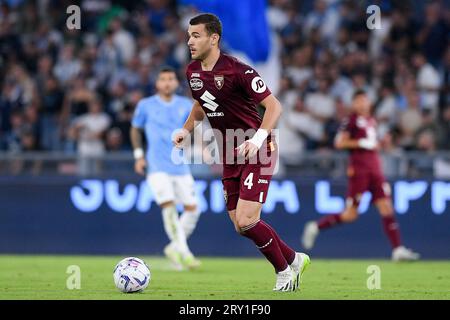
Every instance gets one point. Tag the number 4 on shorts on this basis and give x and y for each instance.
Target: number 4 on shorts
(248, 182)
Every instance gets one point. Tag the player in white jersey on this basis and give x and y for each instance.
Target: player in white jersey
(169, 178)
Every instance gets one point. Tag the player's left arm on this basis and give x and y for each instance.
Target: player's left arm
(255, 87)
(273, 111)
(272, 114)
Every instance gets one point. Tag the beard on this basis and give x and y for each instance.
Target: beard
(203, 55)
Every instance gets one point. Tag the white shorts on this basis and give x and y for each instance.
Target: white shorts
(177, 188)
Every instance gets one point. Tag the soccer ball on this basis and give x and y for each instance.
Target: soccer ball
(131, 275)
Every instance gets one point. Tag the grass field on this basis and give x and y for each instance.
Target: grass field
(44, 277)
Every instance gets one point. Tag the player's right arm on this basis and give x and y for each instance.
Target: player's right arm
(195, 116)
(138, 150)
(136, 137)
(344, 140)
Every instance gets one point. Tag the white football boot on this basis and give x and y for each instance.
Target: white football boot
(174, 256)
(403, 254)
(310, 233)
(285, 280)
(299, 265)
(191, 262)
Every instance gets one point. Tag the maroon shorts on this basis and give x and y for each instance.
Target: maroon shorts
(360, 182)
(248, 181)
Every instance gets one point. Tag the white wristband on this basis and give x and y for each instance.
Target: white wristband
(367, 144)
(259, 137)
(138, 153)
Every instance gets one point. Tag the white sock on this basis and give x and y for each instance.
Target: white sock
(174, 230)
(189, 221)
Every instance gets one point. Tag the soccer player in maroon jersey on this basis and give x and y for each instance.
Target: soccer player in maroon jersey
(227, 92)
(358, 135)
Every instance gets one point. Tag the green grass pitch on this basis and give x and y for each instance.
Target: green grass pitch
(44, 277)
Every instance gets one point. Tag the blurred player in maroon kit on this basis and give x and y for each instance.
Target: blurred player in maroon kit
(358, 135)
(228, 91)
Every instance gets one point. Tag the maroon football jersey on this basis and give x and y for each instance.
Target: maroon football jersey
(229, 94)
(362, 127)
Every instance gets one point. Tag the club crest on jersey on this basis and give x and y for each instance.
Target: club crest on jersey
(196, 84)
(218, 81)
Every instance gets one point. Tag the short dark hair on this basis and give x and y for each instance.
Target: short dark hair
(358, 92)
(211, 21)
(167, 69)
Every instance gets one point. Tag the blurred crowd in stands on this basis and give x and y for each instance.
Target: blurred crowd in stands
(75, 90)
